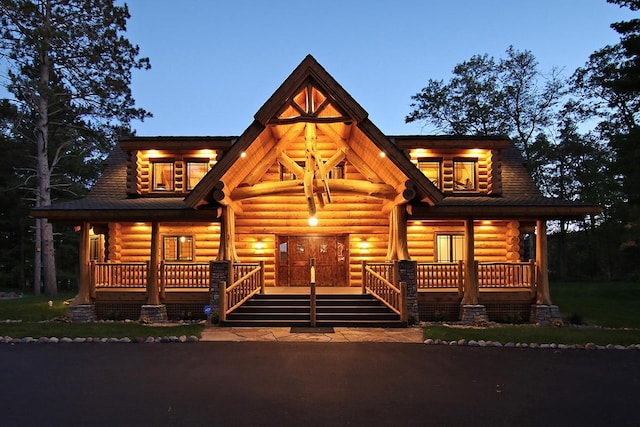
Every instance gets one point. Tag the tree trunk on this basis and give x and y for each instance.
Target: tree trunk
(42, 160)
(37, 258)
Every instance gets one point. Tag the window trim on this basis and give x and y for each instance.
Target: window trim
(473, 160)
(439, 161)
(451, 255)
(195, 160)
(153, 163)
(178, 257)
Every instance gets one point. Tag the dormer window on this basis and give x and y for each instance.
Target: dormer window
(162, 175)
(432, 169)
(464, 175)
(196, 170)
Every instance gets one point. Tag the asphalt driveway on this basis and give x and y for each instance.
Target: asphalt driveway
(314, 384)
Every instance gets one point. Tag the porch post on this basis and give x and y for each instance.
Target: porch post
(471, 311)
(470, 276)
(153, 310)
(398, 248)
(543, 311)
(82, 309)
(84, 286)
(543, 296)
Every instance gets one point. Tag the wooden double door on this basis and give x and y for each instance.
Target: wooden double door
(330, 254)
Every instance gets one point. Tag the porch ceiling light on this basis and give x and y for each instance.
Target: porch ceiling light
(313, 221)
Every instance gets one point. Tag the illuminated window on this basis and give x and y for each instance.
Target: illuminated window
(177, 248)
(196, 170)
(449, 247)
(94, 248)
(337, 172)
(287, 175)
(162, 176)
(432, 169)
(464, 175)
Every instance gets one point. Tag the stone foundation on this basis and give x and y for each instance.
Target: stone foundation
(154, 313)
(544, 314)
(82, 313)
(473, 313)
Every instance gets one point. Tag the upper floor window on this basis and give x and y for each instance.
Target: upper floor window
(162, 176)
(177, 248)
(464, 175)
(449, 247)
(337, 172)
(196, 170)
(432, 169)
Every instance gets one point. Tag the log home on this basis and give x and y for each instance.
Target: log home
(313, 199)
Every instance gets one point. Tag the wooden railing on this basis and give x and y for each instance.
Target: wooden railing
(119, 274)
(506, 274)
(440, 275)
(246, 281)
(377, 279)
(182, 275)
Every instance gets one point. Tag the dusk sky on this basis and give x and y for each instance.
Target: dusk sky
(214, 63)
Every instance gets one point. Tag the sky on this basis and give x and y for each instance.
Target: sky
(216, 62)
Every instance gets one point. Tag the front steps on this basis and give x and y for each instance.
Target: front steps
(352, 310)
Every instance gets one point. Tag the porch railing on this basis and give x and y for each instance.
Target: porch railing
(182, 275)
(377, 279)
(246, 281)
(441, 275)
(119, 274)
(506, 274)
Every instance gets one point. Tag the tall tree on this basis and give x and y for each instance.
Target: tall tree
(484, 97)
(609, 86)
(70, 74)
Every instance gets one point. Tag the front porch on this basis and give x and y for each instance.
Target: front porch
(507, 289)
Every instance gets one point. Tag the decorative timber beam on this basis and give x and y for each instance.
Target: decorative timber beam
(271, 156)
(406, 193)
(380, 191)
(220, 195)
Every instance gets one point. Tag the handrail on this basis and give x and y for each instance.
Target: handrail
(506, 274)
(243, 288)
(385, 291)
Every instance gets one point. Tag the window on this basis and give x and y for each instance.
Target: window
(449, 247)
(196, 170)
(337, 172)
(177, 248)
(162, 176)
(94, 248)
(432, 169)
(464, 175)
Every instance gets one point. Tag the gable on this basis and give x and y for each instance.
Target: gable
(309, 127)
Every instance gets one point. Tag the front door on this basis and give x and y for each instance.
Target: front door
(330, 253)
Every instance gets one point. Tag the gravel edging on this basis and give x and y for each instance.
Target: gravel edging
(483, 343)
(66, 340)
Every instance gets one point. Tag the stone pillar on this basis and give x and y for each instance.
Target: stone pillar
(407, 272)
(219, 276)
(82, 313)
(154, 313)
(544, 314)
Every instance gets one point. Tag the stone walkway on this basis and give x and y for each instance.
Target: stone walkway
(237, 334)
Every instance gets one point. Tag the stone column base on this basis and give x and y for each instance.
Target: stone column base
(544, 314)
(473, 313)
(82, 313)
(154, 313)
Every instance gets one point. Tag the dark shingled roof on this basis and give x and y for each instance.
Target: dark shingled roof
(109, 199)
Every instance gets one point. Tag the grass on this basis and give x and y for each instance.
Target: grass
(607, 313)
(36, 319)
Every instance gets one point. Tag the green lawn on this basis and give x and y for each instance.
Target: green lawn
(32, 311)
(605, 313)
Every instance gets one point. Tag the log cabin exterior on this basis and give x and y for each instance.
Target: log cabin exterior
(435, 226)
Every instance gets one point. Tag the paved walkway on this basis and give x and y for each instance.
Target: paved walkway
(236, 334)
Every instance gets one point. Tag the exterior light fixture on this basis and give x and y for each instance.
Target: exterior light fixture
(313, 221)
(383, 154)
(243, 154)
